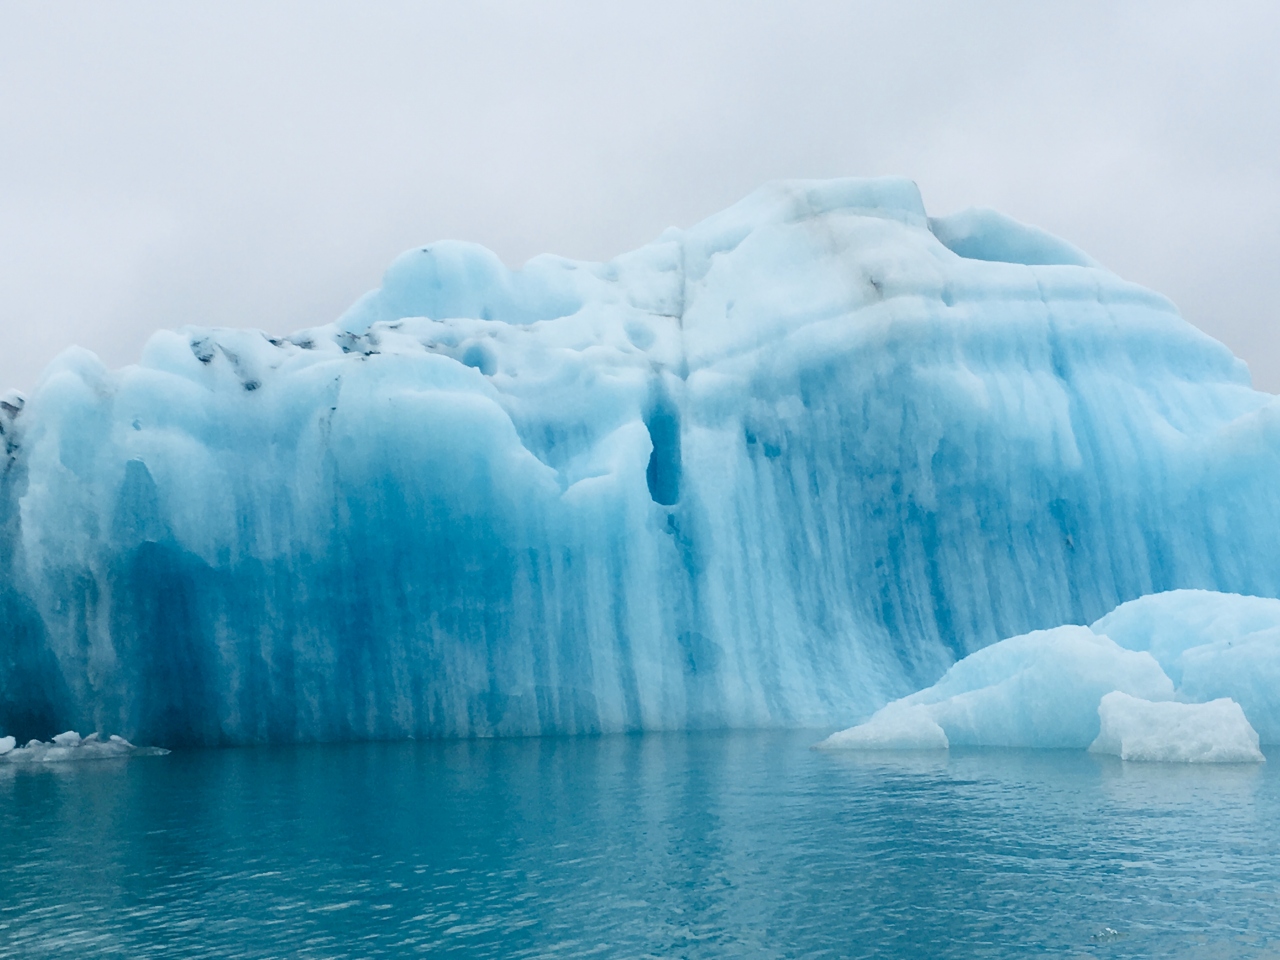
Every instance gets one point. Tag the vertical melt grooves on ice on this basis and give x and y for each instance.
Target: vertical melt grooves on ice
(775, 469)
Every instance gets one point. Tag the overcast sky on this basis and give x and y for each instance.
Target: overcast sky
(258, 164)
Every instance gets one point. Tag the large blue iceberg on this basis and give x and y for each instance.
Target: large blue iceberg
(776, 469)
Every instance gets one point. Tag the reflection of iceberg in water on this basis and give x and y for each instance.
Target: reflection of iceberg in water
(1215, 790)
(666, 845)
(776, 469)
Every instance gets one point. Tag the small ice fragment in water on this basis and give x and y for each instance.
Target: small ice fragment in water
(1171, 732)
(71, 746)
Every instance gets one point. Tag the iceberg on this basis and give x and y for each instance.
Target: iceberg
(1212, 645)
(1134, 684)
(1041, 689)
(776, 469)
(1213, 732)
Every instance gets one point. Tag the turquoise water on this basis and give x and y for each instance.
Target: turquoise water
(709, 845)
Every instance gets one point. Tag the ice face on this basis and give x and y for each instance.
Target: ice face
(775, 469)
(1213, 732)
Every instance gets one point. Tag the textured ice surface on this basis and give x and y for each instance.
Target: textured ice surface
(1213, 732)
(1053, 688)
(777, 468)
(1211, 645)
(1037, 690)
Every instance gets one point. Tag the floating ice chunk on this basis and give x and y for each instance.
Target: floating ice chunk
(1060, 688)
(71, 746)
(1211, 645)
(1213, 732)
(1040, 689)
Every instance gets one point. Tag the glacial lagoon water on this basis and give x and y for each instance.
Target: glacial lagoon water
(679, 845)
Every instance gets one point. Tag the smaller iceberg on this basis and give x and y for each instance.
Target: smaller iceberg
(1040, 689)
(72, 746)
(1213, 732)
(1212, 645)
(1188, 676)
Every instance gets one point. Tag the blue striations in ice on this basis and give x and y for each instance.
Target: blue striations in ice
(775, 469)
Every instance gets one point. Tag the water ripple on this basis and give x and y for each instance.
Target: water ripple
(713, 845)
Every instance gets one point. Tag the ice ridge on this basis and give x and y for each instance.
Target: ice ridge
(775, 469)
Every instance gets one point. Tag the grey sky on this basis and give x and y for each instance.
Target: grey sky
(258, 164)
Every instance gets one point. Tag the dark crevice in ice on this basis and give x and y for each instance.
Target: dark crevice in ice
(663, 474)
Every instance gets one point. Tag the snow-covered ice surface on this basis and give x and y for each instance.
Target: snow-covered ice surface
(775, 469)
(1213, 732)
(1133, 685)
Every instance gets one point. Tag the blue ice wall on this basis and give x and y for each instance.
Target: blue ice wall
(776, 469)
